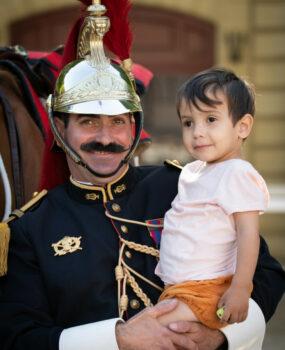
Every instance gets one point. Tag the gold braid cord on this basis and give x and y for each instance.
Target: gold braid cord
(141, 248)
(124, 275)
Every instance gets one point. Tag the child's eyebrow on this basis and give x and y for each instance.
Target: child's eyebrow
(210, 110)
(214, 110)
(201, 110)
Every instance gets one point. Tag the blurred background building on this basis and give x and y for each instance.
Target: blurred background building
(176, 39)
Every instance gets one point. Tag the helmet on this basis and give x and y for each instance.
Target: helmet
(82, 88)
(93, 85)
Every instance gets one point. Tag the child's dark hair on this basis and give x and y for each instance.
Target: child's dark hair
(240, 95)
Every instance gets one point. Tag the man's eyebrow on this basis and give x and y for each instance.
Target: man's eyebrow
(79, 116)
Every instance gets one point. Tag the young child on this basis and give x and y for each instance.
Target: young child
(210, 241)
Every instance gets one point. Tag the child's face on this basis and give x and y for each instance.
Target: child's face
(209, 133)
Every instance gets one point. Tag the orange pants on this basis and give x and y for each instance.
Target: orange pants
(202, 297)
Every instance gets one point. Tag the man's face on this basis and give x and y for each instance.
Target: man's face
(102, 141)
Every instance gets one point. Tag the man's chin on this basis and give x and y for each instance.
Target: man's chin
(106, 171)
(103, 177)
(103, 165)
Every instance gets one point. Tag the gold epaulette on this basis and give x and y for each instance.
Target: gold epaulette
(174, 163)
(5, 229)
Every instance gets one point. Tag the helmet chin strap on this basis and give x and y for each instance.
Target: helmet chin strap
(103, 175)
(138, 116)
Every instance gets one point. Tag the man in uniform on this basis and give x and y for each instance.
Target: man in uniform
(82, 258)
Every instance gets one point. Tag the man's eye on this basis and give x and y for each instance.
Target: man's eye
(119, 121)
(211, 119)
(86, 121)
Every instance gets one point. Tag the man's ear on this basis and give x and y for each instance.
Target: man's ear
(244, 126)
(59, 123)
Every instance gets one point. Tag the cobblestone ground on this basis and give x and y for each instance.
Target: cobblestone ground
(275, 330)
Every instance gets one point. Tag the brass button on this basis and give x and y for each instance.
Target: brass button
(135, 304)
(35, 194)
(128, 254)
(124, 229)
(116, 207)
(176, 162)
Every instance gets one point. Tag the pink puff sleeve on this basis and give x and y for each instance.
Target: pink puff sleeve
(242, 189)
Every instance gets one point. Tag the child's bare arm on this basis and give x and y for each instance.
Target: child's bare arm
(236, 297)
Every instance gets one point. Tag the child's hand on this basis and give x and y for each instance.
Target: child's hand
(235, 300)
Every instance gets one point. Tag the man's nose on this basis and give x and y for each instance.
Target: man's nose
(103, 134)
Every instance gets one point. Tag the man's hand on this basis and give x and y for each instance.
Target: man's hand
(204, 337)
(144, 332)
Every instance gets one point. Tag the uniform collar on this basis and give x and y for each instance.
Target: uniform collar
(100, 194)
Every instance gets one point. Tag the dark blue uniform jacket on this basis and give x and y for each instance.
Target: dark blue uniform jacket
(44, 293)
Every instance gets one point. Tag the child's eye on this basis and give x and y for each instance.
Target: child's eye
(188, 123)
(211, 119)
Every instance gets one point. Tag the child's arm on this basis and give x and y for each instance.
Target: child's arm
(236, 297)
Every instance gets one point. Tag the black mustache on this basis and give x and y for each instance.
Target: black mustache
(98, 146)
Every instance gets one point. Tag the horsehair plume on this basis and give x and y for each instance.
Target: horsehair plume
(119, 38)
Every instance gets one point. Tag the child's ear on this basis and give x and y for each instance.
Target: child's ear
(244, 126)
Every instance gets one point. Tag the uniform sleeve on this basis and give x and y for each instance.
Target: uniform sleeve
(268, 282)
(248, 334)
(242, 189)
(97, 335)
(25, 314)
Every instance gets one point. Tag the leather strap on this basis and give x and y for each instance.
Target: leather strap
(15, 147)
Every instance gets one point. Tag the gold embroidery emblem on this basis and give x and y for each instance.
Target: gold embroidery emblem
(67, 245)
(92, 196)
(120, 188)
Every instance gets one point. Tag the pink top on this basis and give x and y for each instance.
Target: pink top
(198, 241)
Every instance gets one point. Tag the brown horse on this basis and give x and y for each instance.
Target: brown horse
(30, 146)
(21, 126)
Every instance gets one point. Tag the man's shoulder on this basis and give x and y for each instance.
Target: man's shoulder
(17, 219)
(30, 206)
(169, 168)
(38, 205)
(158, 178)
(173, 164)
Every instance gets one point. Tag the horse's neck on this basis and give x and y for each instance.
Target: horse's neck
(21, 144)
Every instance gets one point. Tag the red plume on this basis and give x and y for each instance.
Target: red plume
(69, 53)
(119, 38)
